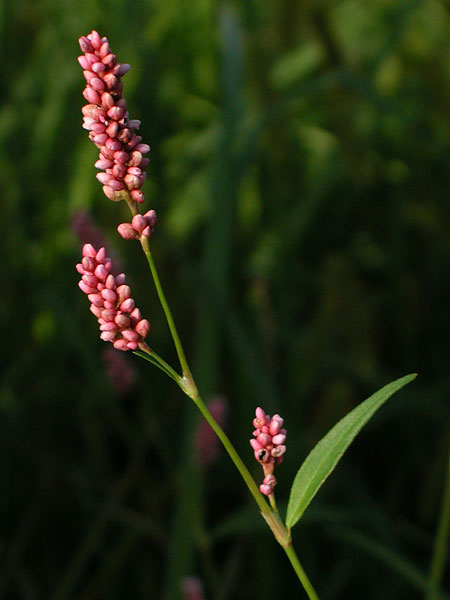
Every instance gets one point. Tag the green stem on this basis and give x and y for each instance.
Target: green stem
(441, 542)
(245, 473)
(271, 516)
(303, 577)
(162, 298)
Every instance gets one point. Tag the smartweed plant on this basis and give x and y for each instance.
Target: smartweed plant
(122, 165)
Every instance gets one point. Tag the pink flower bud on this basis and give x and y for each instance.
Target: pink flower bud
(97, 84)
(100, 256)
(121, 157)
(91, 95)
(256, 445)
(103, 164)
(135, 315)
(270, 480)
(143, 328)
(127, 305)
(139, 222)
(99, 139)
(264, 439)
(135, 158)
(85, 44)
(109, 314)
(98, 67)
(121, 70)
(274, 427)
(143, 148)
(122, 320)
(107, 100)
(127, 231)
(84, 63)
(95, 310)
(101, 272)
(107, 336)
(279, 439)
(130, 335)
(137, 196)
(121, 345)
(96, 299)
(104, 178)
(265, 489)
(109, 60)
(132, 182)
(89, 251)
(109, 295)
(109, 326)
(104, 49)
(111, 81)
(113, 144)
(86, 288)
(95, 40)
(116, 185)
(278, 451)
(123, 291)
(88, 263)
(112, 129)
(119, 170)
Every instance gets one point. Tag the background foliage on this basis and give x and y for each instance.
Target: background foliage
(299, 168)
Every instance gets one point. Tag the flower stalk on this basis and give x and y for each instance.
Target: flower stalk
(122, 165)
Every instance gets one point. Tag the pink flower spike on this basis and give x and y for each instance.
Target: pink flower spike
(268, 445)
(110, 301)
(107, 120)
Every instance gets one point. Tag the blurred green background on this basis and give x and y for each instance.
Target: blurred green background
(300, 172)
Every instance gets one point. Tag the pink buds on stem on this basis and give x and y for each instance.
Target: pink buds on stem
(106, 118)
(141, 225)
(268, 445)
(120, 321)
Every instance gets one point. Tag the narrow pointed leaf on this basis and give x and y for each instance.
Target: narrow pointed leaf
(158, 364)
(325, 455)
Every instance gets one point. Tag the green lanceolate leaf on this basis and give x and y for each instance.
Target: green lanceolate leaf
(325, 455)
(161, 364)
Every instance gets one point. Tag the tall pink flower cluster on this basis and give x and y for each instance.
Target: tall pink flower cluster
(268, 444)
(120, 321)
(121, 157)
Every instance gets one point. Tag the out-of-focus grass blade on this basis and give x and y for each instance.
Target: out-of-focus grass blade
(394, 561)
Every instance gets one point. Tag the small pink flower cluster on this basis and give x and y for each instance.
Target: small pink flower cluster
(120, 321)
(119, 371)
(268, 445)
(192, 588)
(206, 443)
(140, 225)
(106, 119)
